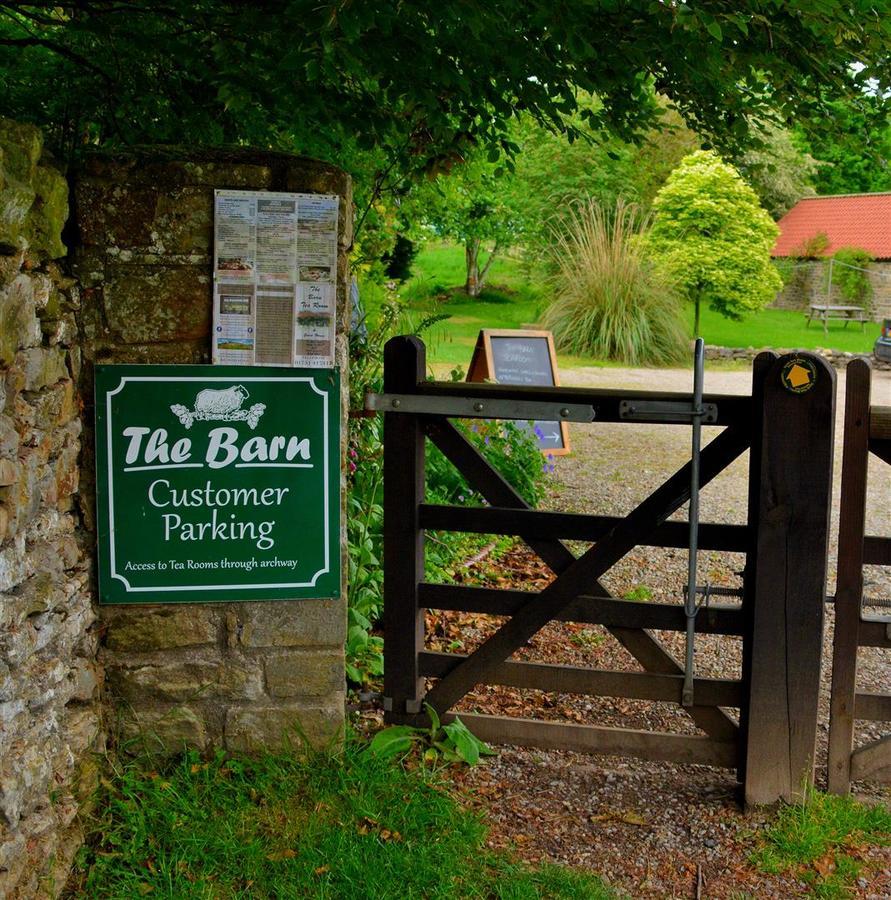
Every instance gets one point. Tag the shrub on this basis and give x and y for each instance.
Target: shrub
(398, 261)
(612, 302)
(850, 276)
(509, 448)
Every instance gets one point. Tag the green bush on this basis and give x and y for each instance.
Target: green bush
(849, 275)
(510, 449)
(612, 301)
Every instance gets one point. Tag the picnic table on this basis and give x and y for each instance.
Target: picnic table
(825, 311)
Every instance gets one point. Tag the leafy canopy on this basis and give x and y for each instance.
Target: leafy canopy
(714, 237)
(423, 81)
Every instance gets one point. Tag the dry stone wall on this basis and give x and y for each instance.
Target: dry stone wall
(49, 680)
(238, 675)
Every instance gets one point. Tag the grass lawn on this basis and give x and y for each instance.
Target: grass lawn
(516, 296)
(823, 841)
(291, 825)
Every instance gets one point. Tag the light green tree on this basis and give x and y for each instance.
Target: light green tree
(715, 238)
(476, 205)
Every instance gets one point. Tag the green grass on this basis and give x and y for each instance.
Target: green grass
(516, 296)
(819, 841)
(291, 825)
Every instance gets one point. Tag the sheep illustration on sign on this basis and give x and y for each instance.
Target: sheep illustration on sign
(220, 406)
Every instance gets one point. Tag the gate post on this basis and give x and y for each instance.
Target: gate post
(404, 367)
(794, 494)
(849, 582)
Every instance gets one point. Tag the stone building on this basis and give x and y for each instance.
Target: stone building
(817, 227)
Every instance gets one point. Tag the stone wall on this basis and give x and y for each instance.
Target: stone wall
(237, 675)
(807, 285)
(837, 358)
(49, 717)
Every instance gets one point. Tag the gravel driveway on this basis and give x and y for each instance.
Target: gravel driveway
(656, 829)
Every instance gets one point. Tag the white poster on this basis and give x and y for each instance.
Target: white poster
(275, 268)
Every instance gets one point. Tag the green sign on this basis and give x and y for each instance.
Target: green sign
(217, 483)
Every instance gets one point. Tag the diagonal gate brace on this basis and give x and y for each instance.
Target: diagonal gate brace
(578, 576)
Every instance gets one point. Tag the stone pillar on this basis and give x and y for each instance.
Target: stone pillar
(49, 680)
(237, 675)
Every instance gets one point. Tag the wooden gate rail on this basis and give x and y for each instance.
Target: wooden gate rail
(577, 594)
(867, 430)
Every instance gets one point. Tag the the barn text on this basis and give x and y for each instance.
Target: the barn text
(148, 447)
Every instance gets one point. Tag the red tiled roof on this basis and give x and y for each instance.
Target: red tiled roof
(848, 220)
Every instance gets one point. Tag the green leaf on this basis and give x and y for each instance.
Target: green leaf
(466, 744)
(393, 741)
(434, 720)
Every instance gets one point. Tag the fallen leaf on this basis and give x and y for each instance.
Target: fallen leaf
(633, 818)
(279, 855)
(322, 870)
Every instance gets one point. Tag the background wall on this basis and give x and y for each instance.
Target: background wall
(237, 675)
(49, 713)
(808, 285)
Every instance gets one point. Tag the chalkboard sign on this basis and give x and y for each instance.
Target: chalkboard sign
(527, 358)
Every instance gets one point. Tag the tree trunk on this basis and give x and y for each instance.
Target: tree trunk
(472, 257)
(696, 318)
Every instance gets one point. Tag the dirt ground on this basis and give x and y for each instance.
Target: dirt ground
(652, 829)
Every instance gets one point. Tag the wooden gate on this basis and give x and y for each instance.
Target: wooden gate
(867, 431)
(787, 423)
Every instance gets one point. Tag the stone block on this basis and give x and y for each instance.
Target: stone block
(305, 673)
(151, 304)
(19, 326)
(21, 146)
(10, 472)
(170, 730)
(41, 366)
(305, 623)
(225, 679)
(183, 222)
(49, 213)
(254, 729)
(145, 630)
(10, 265)
(112, 214)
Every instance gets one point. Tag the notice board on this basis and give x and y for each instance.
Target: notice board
(217, 483)
(275, 271)
(527, 358)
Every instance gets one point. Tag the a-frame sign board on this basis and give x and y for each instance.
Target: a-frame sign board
(521, 357)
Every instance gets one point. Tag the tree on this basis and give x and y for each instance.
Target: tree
(715, 238)
(553, 175)
(779, 171)
(853, 144)
(424, 82)
(476, 206)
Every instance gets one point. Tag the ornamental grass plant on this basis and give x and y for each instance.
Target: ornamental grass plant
(611, 300)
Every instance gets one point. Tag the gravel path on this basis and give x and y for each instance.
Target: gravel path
(654, 829)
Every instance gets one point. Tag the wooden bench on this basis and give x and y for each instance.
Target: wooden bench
(824, 312)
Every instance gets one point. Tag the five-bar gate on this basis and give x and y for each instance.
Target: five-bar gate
(786, 424)
(867, 431)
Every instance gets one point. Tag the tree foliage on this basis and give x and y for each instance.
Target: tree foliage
(715, 238)
(424, 81)
(853, 144)
(477, 205)
(779, 171)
